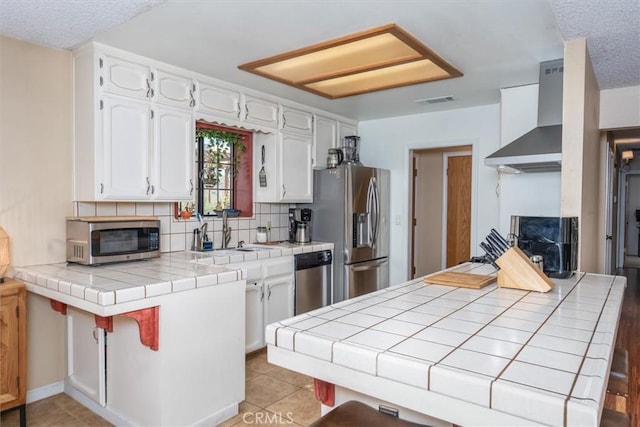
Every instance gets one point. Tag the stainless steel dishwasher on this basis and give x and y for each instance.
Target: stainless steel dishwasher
(313, 281)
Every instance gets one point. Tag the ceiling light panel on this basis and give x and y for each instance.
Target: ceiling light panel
(372, 60)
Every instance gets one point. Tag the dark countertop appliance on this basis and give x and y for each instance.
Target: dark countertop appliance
(299, 225)
(555, 238)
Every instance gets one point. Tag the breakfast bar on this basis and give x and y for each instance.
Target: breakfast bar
(445, 355)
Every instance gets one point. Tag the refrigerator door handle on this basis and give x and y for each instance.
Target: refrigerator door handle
(372, 265)
(376, 209)
(370, 209)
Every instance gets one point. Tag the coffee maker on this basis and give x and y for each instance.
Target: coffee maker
(299, 225)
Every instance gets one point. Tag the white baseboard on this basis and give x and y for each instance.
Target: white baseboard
(45, 391)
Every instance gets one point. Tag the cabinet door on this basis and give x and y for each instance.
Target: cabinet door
(296, 121)
(261, 112)
(296, 173)
(125, 156)
(279, 299)
(254, 326)
(12, 345)
(218, 101)
(175, 90)
(122, 77)
(345, 129)
(173, 153)
(86, 355)
(324, 137)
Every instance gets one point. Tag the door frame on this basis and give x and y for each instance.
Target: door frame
(445, 199)
(609, 155)
(442, 145)
(622, 215)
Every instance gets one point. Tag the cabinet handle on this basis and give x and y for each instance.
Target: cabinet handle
(148, 186)
(153, 189)
(284, 121)
(101, 81)
(148, 88)
(246, 112)
(152, 76)
(101, 188)
(191, 191)
(100, 63)
(284, 191)
(192, 103)
(269, 296)
(95, 337)
(261, 295)
(238, 109)
(152, 93)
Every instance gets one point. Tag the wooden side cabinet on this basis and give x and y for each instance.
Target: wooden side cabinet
(13, 347)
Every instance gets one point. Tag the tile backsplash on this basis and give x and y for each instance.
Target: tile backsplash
(176, 234)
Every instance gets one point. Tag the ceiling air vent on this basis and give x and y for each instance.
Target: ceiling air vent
(438, 100)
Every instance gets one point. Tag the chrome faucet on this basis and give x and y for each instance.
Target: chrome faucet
(226, 231)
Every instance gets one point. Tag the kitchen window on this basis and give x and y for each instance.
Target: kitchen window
(223, 167)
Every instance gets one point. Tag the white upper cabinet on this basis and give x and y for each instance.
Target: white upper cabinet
(121, 77)
(123, 154)
(325, 136)
(134, 125)
(260, 111)
(218, 101)
(173, 89)
(128, 144)
(295, 171)
(298, 121)
(345, 129)
(173, 154)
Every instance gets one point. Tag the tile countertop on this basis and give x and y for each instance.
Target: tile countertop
(490, 356)
(118, 288)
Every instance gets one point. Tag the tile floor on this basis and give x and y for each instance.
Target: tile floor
(274, 396)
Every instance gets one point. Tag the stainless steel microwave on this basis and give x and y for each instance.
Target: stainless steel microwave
(100, 239)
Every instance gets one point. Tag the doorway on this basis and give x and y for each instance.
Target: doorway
(441, 208)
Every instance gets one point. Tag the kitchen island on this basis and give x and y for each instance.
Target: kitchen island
(445, 355)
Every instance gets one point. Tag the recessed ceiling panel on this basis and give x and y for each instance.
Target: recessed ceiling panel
(371, 60)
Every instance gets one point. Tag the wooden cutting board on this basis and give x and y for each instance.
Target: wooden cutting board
(462, 280)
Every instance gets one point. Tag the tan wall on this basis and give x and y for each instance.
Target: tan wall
(36, 182)
(581, 151)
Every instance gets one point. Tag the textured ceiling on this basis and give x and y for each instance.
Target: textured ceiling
(612, 30)
(66, 23)
(495, 43)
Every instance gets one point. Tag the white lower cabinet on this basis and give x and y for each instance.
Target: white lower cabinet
(254, 335)
(269, 296)
(278, 299)
(86, 355)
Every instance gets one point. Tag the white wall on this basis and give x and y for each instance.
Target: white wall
(620, 107)
(386, 144)
(529, 194)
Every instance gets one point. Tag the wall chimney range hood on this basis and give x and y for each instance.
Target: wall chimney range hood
(539, 150)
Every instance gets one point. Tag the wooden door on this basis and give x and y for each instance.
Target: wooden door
(458, 209)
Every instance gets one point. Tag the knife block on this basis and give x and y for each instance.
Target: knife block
(518, 272)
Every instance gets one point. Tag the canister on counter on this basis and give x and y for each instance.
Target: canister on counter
(261, 235)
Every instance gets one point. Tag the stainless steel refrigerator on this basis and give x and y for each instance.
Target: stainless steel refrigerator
(351, 209)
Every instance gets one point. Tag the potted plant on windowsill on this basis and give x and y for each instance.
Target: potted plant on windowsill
(218, 154)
